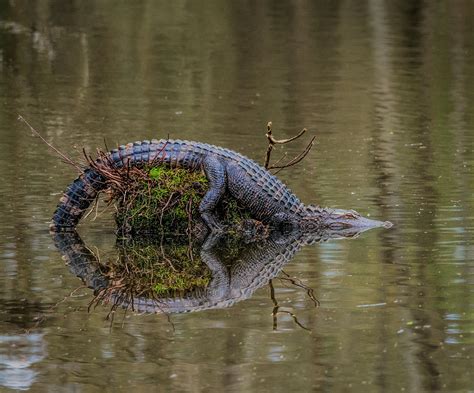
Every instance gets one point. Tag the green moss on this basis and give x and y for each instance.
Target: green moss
(161, 199)
(154, 270)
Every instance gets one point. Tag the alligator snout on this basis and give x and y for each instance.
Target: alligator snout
(341, 219)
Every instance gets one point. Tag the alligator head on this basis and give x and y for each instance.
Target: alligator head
(345, 221)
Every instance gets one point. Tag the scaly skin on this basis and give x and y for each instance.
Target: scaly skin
(264, 195)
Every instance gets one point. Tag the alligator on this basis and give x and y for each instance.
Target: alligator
(255, 188)
(251, 269)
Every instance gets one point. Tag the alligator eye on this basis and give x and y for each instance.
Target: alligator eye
(350, 216)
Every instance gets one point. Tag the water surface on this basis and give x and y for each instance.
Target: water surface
(387, 88)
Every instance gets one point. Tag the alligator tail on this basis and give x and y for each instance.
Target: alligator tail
(76, 199)
(80, 260)
(82, 192)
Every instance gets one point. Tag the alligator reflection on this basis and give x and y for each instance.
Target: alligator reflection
(228, 270)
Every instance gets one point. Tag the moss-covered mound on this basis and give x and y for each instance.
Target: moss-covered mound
(157, 199)
(160, 199)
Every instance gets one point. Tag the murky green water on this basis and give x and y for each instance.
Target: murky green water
(387, 88)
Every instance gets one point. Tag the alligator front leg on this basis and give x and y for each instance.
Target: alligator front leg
(216, 174)
(220, 281)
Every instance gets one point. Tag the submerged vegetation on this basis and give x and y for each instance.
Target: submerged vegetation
(152, 270)
(156, 268)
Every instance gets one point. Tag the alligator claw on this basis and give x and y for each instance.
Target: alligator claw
(211, 240)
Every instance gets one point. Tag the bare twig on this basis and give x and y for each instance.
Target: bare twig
(272, 142)
(296, 159)
(57, 151)
(295, 319)
(298, 283)
(42, 316)
(275, 305)
(276, 310)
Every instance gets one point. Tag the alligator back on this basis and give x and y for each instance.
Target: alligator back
(262, 193)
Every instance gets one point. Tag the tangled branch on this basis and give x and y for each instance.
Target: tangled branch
(272, 142)
(65, 158)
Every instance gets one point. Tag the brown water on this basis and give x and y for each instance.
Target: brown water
(387, 88)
